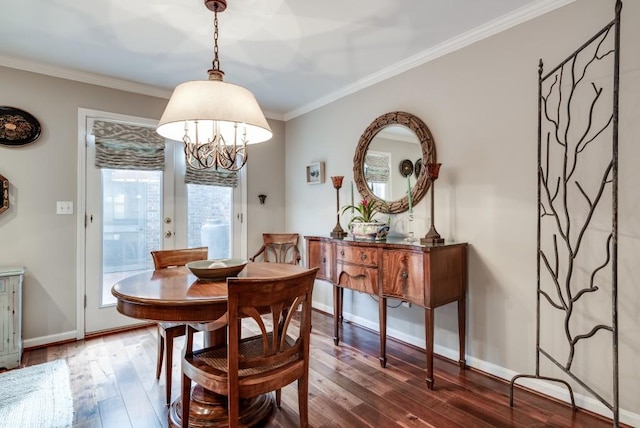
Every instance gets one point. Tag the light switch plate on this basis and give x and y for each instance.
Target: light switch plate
(64, 207)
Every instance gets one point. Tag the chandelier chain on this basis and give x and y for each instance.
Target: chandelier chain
(216, 60)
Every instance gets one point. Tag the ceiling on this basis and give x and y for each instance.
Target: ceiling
(294, 55)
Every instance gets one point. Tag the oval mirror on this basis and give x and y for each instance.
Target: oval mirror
(386, 157)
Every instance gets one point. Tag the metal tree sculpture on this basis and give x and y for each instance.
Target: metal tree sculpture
(577, 205)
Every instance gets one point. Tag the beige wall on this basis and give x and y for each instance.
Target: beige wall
(480, 104)
(265, 175)
(41, 173)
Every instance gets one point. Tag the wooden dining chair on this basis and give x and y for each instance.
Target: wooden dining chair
(250, 366)
(278, 248)
(167, 331)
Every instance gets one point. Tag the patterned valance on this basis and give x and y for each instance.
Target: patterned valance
(120, 146)
(376, 168)
(211, 177)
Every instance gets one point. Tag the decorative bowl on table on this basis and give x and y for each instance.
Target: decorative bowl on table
(217, 268)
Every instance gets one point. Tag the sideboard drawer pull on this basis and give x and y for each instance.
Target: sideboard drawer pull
(363, 257)
(324, 260)
(342, 252)
(404, 274)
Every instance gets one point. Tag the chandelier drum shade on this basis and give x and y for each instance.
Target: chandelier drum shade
(214, 119)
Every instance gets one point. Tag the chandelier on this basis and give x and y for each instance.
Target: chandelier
(215, 120)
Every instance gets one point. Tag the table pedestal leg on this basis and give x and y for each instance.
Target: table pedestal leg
(210, 410)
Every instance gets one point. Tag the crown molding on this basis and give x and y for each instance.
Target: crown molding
(96, 79)
(272, 115)
(84, 77)
(484, 31)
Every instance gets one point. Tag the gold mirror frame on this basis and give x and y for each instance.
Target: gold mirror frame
(427, 144)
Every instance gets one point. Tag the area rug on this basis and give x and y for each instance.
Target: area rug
(36, 396)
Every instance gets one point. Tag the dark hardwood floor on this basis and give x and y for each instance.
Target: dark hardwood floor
(113, 383)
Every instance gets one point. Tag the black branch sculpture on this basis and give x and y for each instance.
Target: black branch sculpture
(577, 189)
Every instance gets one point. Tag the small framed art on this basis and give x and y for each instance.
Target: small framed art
(4, 194)
(315, 173)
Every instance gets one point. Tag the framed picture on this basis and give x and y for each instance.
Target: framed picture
(4, 194)
(315, 173)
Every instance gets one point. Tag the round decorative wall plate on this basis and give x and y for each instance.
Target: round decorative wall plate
(17, 127)
(406, 168)
(418, 167)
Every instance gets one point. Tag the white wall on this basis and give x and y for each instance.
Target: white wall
(480, 104)
(43, 172)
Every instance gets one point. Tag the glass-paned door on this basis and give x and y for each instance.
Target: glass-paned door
(132, 224)
(133, 212)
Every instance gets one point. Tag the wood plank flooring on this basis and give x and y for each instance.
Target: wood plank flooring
(113, 383)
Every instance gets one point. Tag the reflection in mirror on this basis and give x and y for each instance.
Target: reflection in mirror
(390, 139)
(377, 168)
(382, 162)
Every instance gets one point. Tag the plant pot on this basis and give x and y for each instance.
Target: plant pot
(373, 231)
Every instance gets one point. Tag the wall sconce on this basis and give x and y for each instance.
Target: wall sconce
(262, 199)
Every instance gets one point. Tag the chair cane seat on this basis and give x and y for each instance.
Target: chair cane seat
(214, 359)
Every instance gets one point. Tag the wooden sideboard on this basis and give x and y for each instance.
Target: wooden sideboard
(425, 275)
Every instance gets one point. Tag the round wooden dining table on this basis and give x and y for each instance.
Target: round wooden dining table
(175, 294)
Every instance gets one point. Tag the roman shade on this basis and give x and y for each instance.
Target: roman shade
(376, 168)
(120, 146)
(211, 177)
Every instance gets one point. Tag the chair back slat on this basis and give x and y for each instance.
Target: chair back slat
(278, 301)
(279, 248)
(180, 257)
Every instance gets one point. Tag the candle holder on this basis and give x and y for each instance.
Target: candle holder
(432, 236)
(410, 234)
(338, 232)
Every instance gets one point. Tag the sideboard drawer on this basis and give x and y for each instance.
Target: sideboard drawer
(320, 256)
(363, 256)
(357, 278)
(403, 276)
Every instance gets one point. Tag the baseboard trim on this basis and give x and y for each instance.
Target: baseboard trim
(70, 336)
(536, 385)
(53, 339)
(119, 330)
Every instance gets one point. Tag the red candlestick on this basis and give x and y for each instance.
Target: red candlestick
(338, 232)
(432, 236)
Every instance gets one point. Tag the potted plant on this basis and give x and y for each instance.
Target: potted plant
(363, 225)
